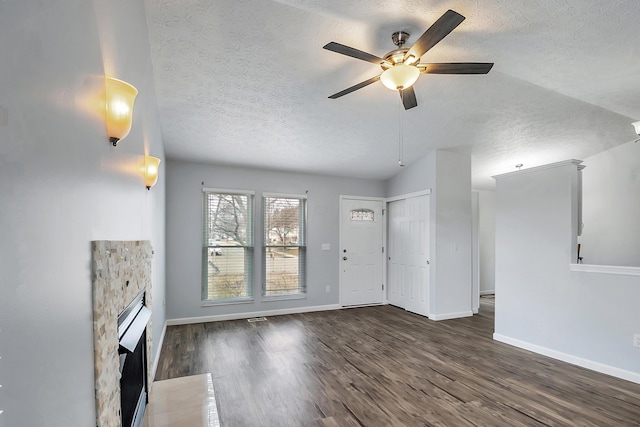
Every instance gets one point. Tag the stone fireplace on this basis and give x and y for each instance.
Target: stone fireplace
(121, 280)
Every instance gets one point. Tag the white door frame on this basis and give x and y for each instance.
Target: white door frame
(384, 243)
(475, 252)
(426, 192)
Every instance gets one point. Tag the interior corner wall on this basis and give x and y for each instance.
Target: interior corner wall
(184, 234)
(62, 185)
(448, 175)
(453, 236)
(611, 207)
(418, 176)
(583, 318)
(533, 237)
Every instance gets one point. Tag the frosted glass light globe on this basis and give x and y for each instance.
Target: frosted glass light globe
(400, 76)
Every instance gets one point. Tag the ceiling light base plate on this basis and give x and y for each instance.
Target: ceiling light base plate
(399, 38)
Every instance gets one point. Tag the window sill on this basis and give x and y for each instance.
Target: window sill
(283, 297)
(210, 303)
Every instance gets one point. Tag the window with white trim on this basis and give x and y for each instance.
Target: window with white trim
(284, 252)
(227, 252)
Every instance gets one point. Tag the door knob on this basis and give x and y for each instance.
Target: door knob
(344, 258)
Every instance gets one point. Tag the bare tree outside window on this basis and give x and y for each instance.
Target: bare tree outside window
(283, 218)
(228, 246)
(284, 251)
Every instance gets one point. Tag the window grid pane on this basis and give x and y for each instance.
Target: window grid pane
(284, 252)
(362, 215)
(227, 247)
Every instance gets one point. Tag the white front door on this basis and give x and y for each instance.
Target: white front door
(408, 260)
(361, 257)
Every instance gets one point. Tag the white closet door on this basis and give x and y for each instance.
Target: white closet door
(408, 259)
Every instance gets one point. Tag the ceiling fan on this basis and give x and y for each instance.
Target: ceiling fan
(401, 67)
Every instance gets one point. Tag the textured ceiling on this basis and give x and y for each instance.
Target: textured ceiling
(245, 82)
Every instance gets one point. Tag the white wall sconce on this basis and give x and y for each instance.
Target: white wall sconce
(636, 126)
(150, 170)
(119, 108)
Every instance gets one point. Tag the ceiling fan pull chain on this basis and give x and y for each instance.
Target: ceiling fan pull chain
(400, 130)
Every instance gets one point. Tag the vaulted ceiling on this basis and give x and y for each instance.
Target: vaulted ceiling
(245, 82)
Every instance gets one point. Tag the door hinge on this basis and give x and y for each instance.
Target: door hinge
(383, 249)
(383, 286)
(383, 211)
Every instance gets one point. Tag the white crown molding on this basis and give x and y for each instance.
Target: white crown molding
(539, 168)
(605, 269)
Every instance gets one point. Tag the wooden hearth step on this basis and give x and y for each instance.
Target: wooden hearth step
(184, 402)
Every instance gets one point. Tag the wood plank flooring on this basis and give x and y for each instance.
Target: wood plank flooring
(383, 366)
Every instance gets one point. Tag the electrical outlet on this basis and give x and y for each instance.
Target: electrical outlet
(636, 340)
(327, 288)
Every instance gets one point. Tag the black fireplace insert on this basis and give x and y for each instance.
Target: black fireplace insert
(132, 336)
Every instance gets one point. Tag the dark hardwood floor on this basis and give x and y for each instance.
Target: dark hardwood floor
(383, 366)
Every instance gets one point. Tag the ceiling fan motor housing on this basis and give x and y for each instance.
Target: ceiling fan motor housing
(394, 57)
(398, 56)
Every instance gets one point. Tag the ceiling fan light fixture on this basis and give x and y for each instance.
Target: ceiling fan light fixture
(636, 126)
(411, 60)
(400, 76)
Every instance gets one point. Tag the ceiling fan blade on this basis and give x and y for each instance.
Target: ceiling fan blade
(355, 87)
(352, 52)
(408, 97)
(439, 30)
(456, 68)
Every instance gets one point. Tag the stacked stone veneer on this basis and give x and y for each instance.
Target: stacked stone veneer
(121, 270)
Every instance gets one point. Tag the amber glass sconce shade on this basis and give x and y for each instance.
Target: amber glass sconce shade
(119, 108)
(151, 167)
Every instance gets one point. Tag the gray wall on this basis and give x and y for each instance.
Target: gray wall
(418, 176)
(184, 232)
(63, 185)
(611, 207)
(453, 234)
(584, 318)
(449, 176)
(487, 240)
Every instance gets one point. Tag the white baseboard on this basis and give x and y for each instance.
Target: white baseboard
(156, 358)
(489, 292)
(448, 316)
(265, 313)
(569, 358)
